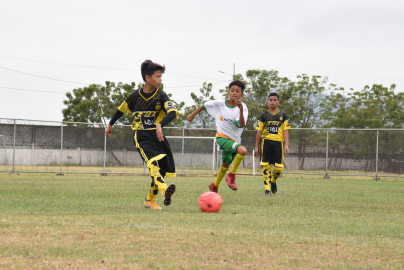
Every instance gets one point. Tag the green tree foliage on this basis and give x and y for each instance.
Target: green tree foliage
(96, 103)
(203, 119)
(375, 107)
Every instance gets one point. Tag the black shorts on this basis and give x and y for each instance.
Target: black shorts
(271, 153)
(151, 149)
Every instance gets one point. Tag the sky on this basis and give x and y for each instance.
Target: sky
(354, 43)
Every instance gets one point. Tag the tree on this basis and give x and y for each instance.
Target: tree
(203, 119)
(375, 107)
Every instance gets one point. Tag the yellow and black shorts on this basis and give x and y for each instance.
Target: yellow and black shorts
(152, 150)
(271, 153)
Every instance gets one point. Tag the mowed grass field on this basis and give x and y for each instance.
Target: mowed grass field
(99, 222)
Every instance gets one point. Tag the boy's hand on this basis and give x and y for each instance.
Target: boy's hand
(190, 118)
(256, 152)
(159, 132)
(108, 130)
(286, 150)
(239, 104)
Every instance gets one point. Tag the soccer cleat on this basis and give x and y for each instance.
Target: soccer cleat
(151, 204)
(267, 192)
(213, 188)
(231, 181)
(274, 188)
(167, 194)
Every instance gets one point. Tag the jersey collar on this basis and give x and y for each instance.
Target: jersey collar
(274, 113)
(225, 102)
(140, 93)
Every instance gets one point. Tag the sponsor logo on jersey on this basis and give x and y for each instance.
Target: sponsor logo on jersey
(221, 118)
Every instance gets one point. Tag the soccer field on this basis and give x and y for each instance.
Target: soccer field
(99, 222)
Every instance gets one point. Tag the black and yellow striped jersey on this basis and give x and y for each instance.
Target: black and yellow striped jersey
(148, 109)
(272, 125)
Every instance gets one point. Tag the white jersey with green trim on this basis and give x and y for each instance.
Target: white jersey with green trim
(226, 118)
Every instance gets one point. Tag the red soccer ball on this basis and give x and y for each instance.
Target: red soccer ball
(210, 202)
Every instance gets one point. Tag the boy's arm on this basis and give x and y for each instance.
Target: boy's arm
(191, 116)
(115, 118)
(257, 142)
(165, 121)
(241, 118)
(286, 136)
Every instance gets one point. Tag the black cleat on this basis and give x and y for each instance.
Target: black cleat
(167, 194)
(267, 192)
(274, 188)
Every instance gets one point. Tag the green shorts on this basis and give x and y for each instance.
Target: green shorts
(229, 149)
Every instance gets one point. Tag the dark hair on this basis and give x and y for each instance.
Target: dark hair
(148, 68)
(239, 84)
(273, 95)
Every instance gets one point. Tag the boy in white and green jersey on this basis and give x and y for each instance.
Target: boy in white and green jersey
(230, 117)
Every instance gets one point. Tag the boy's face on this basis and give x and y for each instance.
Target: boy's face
(273, 102)
(235, 93)
(155, 79)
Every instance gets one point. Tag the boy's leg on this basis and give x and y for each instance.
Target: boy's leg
(157, 178)
(278, 166)
(241, 153)
(267, 177)
(220, 174)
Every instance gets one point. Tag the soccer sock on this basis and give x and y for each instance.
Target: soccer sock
(220, 174)
(267, 175)
(236, 162)
(276, 174)
(158, 183)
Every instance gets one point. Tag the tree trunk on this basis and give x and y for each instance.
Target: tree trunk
(109, 150)
(367, 162)
(303, 156)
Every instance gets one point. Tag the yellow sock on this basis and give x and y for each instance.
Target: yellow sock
(276, 174)
(220, 174)
(236, 162)
(158, 183)
(267, 176)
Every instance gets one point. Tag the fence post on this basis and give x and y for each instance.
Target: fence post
(377, 154)
(213, 164)
(182, 152)
(326, 160)
(105, 151)
(14, 150)
(61, 149)
(253, 163)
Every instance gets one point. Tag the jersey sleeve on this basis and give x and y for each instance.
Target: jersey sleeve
(285, 124)
(261, 122)
(168, 104)
(211, 107)
(245, 115)
(128, 105)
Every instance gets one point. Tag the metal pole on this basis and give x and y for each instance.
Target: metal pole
(14, 150)
(234, 70)
(326, 160)
(213, 164)
(105, 151)
(253, 163)
(377, 153)
(182, 152)
(61, 150)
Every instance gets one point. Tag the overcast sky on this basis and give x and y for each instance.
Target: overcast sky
(354, 43)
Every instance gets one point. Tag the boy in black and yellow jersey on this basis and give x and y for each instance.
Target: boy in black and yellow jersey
(272, 132)
(152, 110)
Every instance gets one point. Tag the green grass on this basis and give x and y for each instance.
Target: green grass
(99, 222)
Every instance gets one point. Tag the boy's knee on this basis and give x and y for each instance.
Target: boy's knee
(241, 150)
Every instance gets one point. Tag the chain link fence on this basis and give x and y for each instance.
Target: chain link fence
(65, 147)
